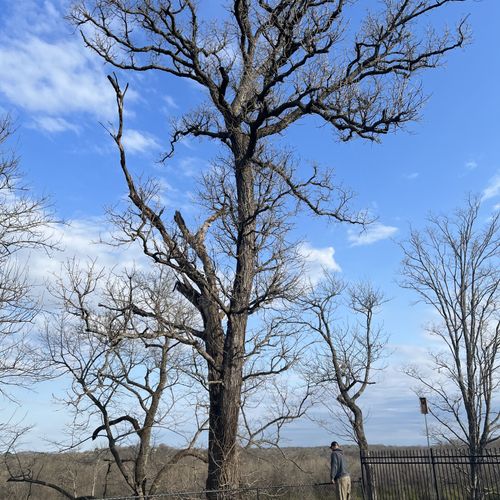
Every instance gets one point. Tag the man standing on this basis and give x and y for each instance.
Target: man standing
(339, 475)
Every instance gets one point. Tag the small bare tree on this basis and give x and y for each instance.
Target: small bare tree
(348, 354)
(454, 266)
(126, 371)
(23, 225)
(267, 66)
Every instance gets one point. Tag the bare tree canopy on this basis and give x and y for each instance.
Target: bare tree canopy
(23, 225)
(265, 67)
(127, 375)
(349, 349)
(272, 62)
(454, 266)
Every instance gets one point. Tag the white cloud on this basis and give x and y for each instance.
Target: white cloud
(139, 142)
(46, 69)
(373, 233)
(53, 124)
(317, 261)
(471, 165)
(55, 78)
(493, 188)
(80, 239)
(42, 17)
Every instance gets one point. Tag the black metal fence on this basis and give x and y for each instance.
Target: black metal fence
(418, 474)
(435, 474)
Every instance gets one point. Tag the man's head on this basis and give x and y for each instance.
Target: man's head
(334, 445)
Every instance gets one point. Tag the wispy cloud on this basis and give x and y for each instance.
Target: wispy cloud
(191, 166)
(373, 233)
(53, 124)
(471, 165)
(493, 188)
(139, 142)
(80, 239)
(41, 17)
(412, 176)
(170, 102)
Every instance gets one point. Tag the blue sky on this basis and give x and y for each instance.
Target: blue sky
(58, 94)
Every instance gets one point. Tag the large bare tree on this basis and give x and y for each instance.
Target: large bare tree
(265, 67)
(454, 266)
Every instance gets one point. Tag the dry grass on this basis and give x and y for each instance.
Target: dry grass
(89, 473)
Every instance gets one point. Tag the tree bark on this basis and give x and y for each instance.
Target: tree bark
(223, 467)
(359, 432)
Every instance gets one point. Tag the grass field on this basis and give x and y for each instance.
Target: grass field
(92, 473)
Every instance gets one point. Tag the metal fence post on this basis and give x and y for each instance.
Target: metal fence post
(434, 475)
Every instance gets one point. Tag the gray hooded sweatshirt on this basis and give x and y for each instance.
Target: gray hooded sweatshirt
(338, 464)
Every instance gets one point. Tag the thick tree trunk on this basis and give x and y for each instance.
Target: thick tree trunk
(225, 396)
(225, 382)
(215, 348)
(223, 467)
